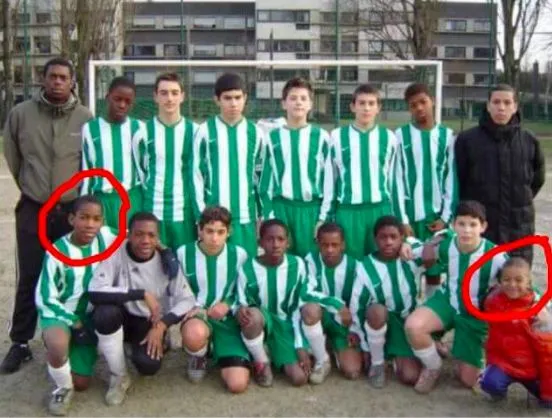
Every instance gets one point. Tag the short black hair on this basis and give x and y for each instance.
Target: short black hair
(471, 208)
(388, 220)
(213, 214)
(121, 81)
(365, 89)
(297, 83)
(516, 262)
(503, 87)
(415, 89)
(227, 82)
(85, 200)
(170, 76)
(266, 225)
(330, 228)
(141, 217)
(64, 62)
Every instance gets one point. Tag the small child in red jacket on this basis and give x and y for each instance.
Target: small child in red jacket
(517, 351)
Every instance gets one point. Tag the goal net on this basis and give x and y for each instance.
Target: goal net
(333, 81)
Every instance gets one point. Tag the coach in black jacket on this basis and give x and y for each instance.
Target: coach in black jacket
(502, 166)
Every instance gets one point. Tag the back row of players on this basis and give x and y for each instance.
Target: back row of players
(361, 189)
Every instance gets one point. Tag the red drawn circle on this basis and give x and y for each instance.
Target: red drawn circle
(54, 198)
(512, 315)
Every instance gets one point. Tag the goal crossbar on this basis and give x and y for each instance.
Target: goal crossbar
(92, 64)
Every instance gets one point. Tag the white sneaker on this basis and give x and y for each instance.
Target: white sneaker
(118, 387)
(60, 401)
(320, 372)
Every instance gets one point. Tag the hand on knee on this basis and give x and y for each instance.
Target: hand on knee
(311, 313)
(195, 335)
(376, 316)
(144, 364)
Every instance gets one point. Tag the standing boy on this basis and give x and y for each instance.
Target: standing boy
(296, 167)
(226, 151)
(108, 144)
(163, 159)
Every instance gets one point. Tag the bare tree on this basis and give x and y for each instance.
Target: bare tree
(9, 32)
(547, 87)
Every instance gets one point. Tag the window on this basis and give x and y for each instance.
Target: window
(38, 74)
(375, 47)
(328, 17)
(482, 25)
(375, 20)
(456, 78)
(349, 74)
(173, 22)
(282, 16)
(145, 77)
(250, 22)
(140, 50)
(42, 45)
(18, 74)
(19, 45)
(349, 18)
(143, 22)
(327, 44)
(234, 23)
(349, 46)
(42, 18)
(205, 50)
(129, 75)
(174, 50)
(455, 52)
(281, 45)
(481, 79)
(433, 52)
(482, 52)
(205, 22)
(282, 75)
(456, 25)
(234, 50)
(205, 77)
(263, 15)
(292, 16)
(23, 18)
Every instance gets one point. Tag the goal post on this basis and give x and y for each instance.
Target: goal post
(333, 82)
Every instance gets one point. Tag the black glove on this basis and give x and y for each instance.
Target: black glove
(170, 263)
(83, 336)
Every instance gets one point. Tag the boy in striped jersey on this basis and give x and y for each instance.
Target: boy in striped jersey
(163, 158)
(364, 156)
(333, 273)
(227, 149)
(296, 167)
(62, 303)
(426, 157)
(211, 267)
(445, 309)
(108, 144)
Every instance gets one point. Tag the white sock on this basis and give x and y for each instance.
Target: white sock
(256, 348)
(376, 341)
(111, 346)
(200, 353)
(317, 340)
(62, 375)
(429, 357)
(430, 290)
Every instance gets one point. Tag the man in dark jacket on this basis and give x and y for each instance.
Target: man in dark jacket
(42, 146)
(502, 166)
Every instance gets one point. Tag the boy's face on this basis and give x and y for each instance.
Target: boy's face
(298, 103)
(421, 107)
(169, 96)
(515, 281)
(389, 240)
(274, 242)
(119, 102)
(331, 246)
(214, 236)
(231, 103)
(469, 230)
(86, 223)
(366, 107)
(502, 106)
(143, 239)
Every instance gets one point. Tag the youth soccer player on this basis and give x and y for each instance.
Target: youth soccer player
(227, 149)
(364, 155)
(296, 167)
(445, 310)
(426, 157)
(62, 303)
(211, 268)
(164, 161)
(108, 144)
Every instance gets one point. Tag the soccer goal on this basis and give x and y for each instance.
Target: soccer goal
(333, 81)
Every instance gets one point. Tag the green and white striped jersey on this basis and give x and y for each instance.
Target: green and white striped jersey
(212, 278)
(275, 288)
(163, 160)
(429, 172)
(297, 166)
(224, 161)
(62, 290)
(366, 167)
(110, 146)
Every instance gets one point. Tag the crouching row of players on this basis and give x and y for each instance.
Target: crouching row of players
(275, 310)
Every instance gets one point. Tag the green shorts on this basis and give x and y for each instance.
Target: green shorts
(337, 334)
(358, 223)
(469, 332)
(396, 343)
(244, 235)
(111, 203)
(226, 341)
(280, 340)
(82, 357)
(301, 219)
(422, 232)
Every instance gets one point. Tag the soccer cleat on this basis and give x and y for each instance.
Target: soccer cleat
(17, 355)
(118, 387)
(263, 374)
(60, 401)
(320, 372)
(376, 375)
(197, 368)
(427, 380)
